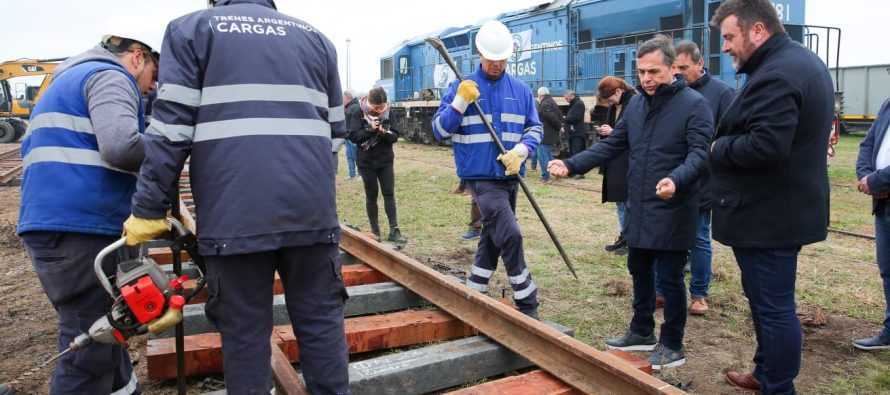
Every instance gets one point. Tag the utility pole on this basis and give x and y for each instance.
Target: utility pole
(348, 68)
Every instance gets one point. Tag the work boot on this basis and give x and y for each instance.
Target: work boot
(664, 357)
(376, 231)
(578, 177)
(396, 237)
(533, 313)
(699, 307)
(633, 342)
(618, 244)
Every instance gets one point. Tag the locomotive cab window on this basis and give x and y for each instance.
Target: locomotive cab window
(386, 68)
(403, 65)
(584, 39)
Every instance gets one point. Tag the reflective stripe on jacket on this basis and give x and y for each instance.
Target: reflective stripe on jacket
(508, 105)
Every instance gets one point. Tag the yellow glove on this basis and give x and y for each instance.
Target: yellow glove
(140, 230)
(513, 159)
(467, 92)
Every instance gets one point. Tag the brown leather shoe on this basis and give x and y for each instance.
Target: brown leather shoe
(699, 307)
(659, 301)
(745, 381)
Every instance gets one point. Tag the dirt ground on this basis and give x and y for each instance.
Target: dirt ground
(721, 340)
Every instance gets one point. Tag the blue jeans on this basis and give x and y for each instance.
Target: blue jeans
(768, 278)
(350, 157)
(543, 155)
(640, 264)
(882, 245)
(621, 210)
(700, 260)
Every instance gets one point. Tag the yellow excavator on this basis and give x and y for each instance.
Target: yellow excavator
(13, 111)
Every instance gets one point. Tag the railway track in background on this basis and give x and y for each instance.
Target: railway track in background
(10, 165)
(571, 184)
(412, 329)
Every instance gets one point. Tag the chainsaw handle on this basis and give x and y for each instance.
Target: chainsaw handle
(97, 264)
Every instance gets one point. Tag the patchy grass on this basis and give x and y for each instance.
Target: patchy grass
(837, 279)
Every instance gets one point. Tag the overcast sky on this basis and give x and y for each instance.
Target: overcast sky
(57, 28)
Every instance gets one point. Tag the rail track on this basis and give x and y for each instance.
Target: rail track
(412, 329)
(10, 165)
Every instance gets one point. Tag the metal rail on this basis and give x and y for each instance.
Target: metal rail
(851, 234)
(572, 361)
(10, 165)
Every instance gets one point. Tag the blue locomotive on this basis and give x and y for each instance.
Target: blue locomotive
(568, 44)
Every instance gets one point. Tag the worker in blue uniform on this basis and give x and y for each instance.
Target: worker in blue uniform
(254, 97)
(80, 154)
(509, 106)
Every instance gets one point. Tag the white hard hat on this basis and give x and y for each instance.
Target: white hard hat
(543, 91)
(116, 43)
(494, 41)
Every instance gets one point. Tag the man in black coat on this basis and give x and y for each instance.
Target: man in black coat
(769, 178)
(548, 113)
(691, 64)
(574, 125)
(666, 130)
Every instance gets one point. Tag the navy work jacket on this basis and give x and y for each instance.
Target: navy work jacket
(254, 97)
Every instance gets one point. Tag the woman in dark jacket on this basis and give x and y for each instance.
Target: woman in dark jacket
(618, 93)
(374, 158)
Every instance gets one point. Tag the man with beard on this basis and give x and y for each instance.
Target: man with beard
(770, 179)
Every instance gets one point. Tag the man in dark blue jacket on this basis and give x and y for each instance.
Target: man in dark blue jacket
(81, 151)
(873, 171)
(691, 64)
(254, 97)
(665, 130)
(769, 178)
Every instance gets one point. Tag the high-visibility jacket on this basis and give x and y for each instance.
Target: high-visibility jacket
(508, 105)
(66, 185)
(253, 96)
